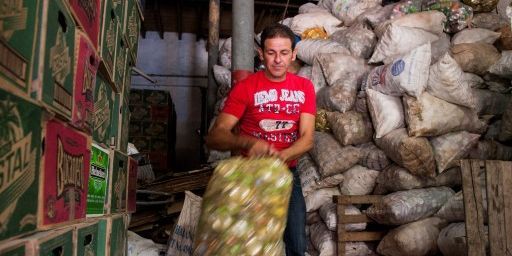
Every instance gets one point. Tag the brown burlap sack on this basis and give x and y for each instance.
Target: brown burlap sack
(431, 116)
(373, 157)
(451, 147)
(417, 238)
(331, 157)
(504, 43)
(475, 58)
(506, 124)
(413, 153)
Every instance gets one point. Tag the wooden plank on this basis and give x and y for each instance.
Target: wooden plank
(341, 230)
(495, 208)
(362, 236)
(365, 199)
(506, 174)
(350, 219)
(473, 207)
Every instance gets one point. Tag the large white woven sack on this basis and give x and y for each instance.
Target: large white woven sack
(304, 21)
(475, 35)
(348, 10)
(387, 112)
(359, 180)
(407, 74)
(431, 21)
(503, 67)
(311, 8)
(398, 41)
(320, 197)
(452, 240)
(308, 49)
(446, 81)
(451, 147)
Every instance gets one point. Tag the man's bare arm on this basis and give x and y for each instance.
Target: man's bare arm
(305, 141)
(221, 137)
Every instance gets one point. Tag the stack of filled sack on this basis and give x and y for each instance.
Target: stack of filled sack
(404, 91)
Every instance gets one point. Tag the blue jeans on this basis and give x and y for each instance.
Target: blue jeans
(295, 231)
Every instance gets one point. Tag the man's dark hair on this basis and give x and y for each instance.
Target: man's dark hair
(277, 30)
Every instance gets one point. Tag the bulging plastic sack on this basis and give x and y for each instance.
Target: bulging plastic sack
(245, 208)
(451, 147)
(482, 5)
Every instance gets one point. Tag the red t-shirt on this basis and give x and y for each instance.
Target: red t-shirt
(271, 110)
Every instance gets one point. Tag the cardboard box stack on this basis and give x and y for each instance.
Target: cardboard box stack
(61, 137)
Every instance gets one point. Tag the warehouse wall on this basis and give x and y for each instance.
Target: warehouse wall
(166, 60)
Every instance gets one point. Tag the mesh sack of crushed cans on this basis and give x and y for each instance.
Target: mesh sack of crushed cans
(458, 14)
(245, 208)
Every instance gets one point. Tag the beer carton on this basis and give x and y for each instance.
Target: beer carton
(120, 62)
(119, 182)
(102, 234)
(132, 27)
(132, 185)
(136, 97)
(98, 181)
(86, 238)
(86, 66)
(67, 155)
(124, 121)
(54, 242)
(114, 122)
(19, 24)
(119, 7)
(104, 112)
(13, 248)
(54, 83)
(154, 97)
(108, 38)
(20, 149)
(117, 228)
(87, 15)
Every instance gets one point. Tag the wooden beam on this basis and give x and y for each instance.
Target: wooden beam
(506, 174)
(495, 206)
(179, 17)
(199, 28)
(472, 192)
(159, 24)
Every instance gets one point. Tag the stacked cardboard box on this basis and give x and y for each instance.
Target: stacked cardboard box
(62, 161)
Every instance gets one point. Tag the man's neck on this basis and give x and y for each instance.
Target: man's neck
(273, 78)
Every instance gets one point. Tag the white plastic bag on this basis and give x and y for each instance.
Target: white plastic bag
(452, 240)
(307, 49)
(503, 67)
(320, 197)
(359, 39)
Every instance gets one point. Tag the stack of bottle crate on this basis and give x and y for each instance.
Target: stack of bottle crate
(67, 186)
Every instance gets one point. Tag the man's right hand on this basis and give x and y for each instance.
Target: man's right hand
(261, 148)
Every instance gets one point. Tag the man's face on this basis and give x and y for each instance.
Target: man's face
(277, 55)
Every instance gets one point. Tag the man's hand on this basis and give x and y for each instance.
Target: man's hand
(261, 148)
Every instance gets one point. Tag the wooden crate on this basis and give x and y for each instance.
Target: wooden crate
(345, 236)
(498, 179)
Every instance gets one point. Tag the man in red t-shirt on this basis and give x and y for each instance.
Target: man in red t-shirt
(275, 111)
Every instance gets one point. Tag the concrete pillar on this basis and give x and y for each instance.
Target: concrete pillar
(243, 39)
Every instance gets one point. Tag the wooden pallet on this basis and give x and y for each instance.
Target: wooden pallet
(345, 236)
(498, 179)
